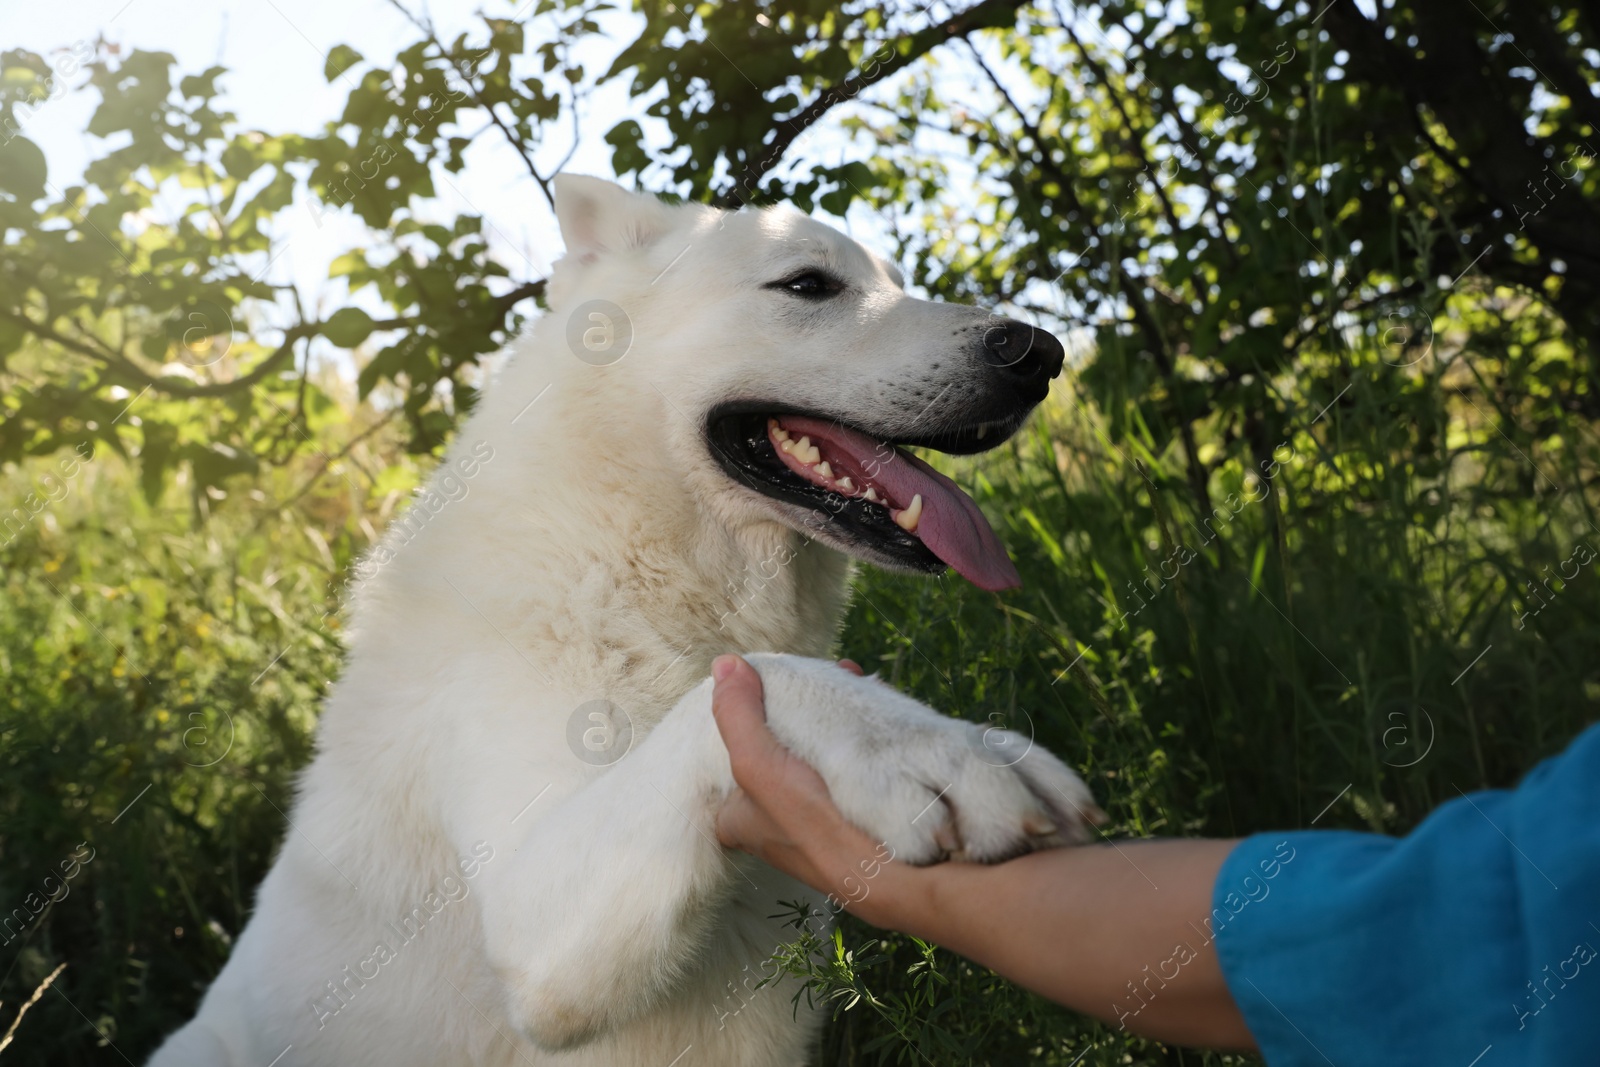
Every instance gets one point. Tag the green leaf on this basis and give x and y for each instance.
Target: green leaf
(340, 59)
(155, 454)
(348, 327)
(215, 462)
(22, 169)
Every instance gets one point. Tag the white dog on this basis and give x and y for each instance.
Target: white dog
(504, 850)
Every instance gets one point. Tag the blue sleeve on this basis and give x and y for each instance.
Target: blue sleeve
(1471, 942)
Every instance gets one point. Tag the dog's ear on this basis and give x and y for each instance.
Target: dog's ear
(598, 216)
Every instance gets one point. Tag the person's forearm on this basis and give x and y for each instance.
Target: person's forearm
(1117, 931)
(1130, 918)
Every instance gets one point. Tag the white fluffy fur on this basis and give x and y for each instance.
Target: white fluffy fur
(593, 555)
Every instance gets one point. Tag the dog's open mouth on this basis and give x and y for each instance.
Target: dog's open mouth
(869, 496)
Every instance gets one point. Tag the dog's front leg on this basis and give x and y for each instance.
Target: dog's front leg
(608, 902)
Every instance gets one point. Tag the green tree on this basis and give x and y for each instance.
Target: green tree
(1332, 268)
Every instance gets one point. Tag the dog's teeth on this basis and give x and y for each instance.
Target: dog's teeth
(843, 483)
(824, 470)
(787, 446)
(907, 519)
(872, 495)
(805, 451)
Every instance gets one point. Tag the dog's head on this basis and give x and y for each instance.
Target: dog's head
(789, 367)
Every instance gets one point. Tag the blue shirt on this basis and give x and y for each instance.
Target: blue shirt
(1474, 941)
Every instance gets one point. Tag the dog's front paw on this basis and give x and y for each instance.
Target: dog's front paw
(928, 786)
(955, 800)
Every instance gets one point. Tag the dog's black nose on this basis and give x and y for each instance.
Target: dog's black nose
(1022, 351)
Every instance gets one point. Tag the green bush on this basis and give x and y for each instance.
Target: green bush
(1319, 659)
(1326, 637)
(1305, 538)
(161, 687)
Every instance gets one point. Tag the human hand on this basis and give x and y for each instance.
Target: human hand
(782, 813)
(1068, 923)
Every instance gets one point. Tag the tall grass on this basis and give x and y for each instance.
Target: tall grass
(161, 689)
(1349, 647)
(1344, 642)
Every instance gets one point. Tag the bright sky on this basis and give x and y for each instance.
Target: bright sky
(274, 51)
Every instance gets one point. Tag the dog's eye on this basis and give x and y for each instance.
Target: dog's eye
(811, 284)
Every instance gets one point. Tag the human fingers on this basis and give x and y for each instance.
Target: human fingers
(740, 711)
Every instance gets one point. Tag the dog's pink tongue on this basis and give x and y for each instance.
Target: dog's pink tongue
(951, 525)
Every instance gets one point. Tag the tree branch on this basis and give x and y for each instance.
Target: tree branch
(1199, 476)
(1135, 135)
(1505, 160)
(512, 137)
(329, 461)
(136, 375)
(525, 291)
(984, 15)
